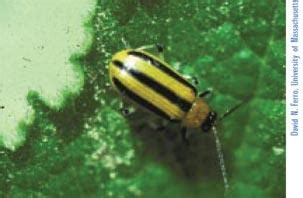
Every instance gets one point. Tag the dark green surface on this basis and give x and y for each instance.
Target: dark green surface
(90, 148)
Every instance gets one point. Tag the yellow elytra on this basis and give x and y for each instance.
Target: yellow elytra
(156, 86)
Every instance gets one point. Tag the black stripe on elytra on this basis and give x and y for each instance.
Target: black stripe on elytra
(125, 91)
(162, 67)
(156, 86)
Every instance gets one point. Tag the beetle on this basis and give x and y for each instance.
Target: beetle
(153, 84)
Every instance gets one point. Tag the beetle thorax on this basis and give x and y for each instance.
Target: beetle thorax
(197, 114)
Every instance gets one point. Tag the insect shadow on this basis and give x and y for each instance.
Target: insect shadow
(161, 140)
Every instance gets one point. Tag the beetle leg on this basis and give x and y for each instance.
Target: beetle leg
(205, 93)
(125, 110)
(195, 80)
(184, 135)
(159, 48)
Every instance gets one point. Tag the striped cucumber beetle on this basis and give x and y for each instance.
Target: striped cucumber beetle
(155, 85)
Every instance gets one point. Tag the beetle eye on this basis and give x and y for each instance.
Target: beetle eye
(209, 121)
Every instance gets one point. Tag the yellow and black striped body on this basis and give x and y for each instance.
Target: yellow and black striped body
(153, 84)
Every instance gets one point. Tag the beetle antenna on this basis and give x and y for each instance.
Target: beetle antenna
(233, 109)
(221, 160)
